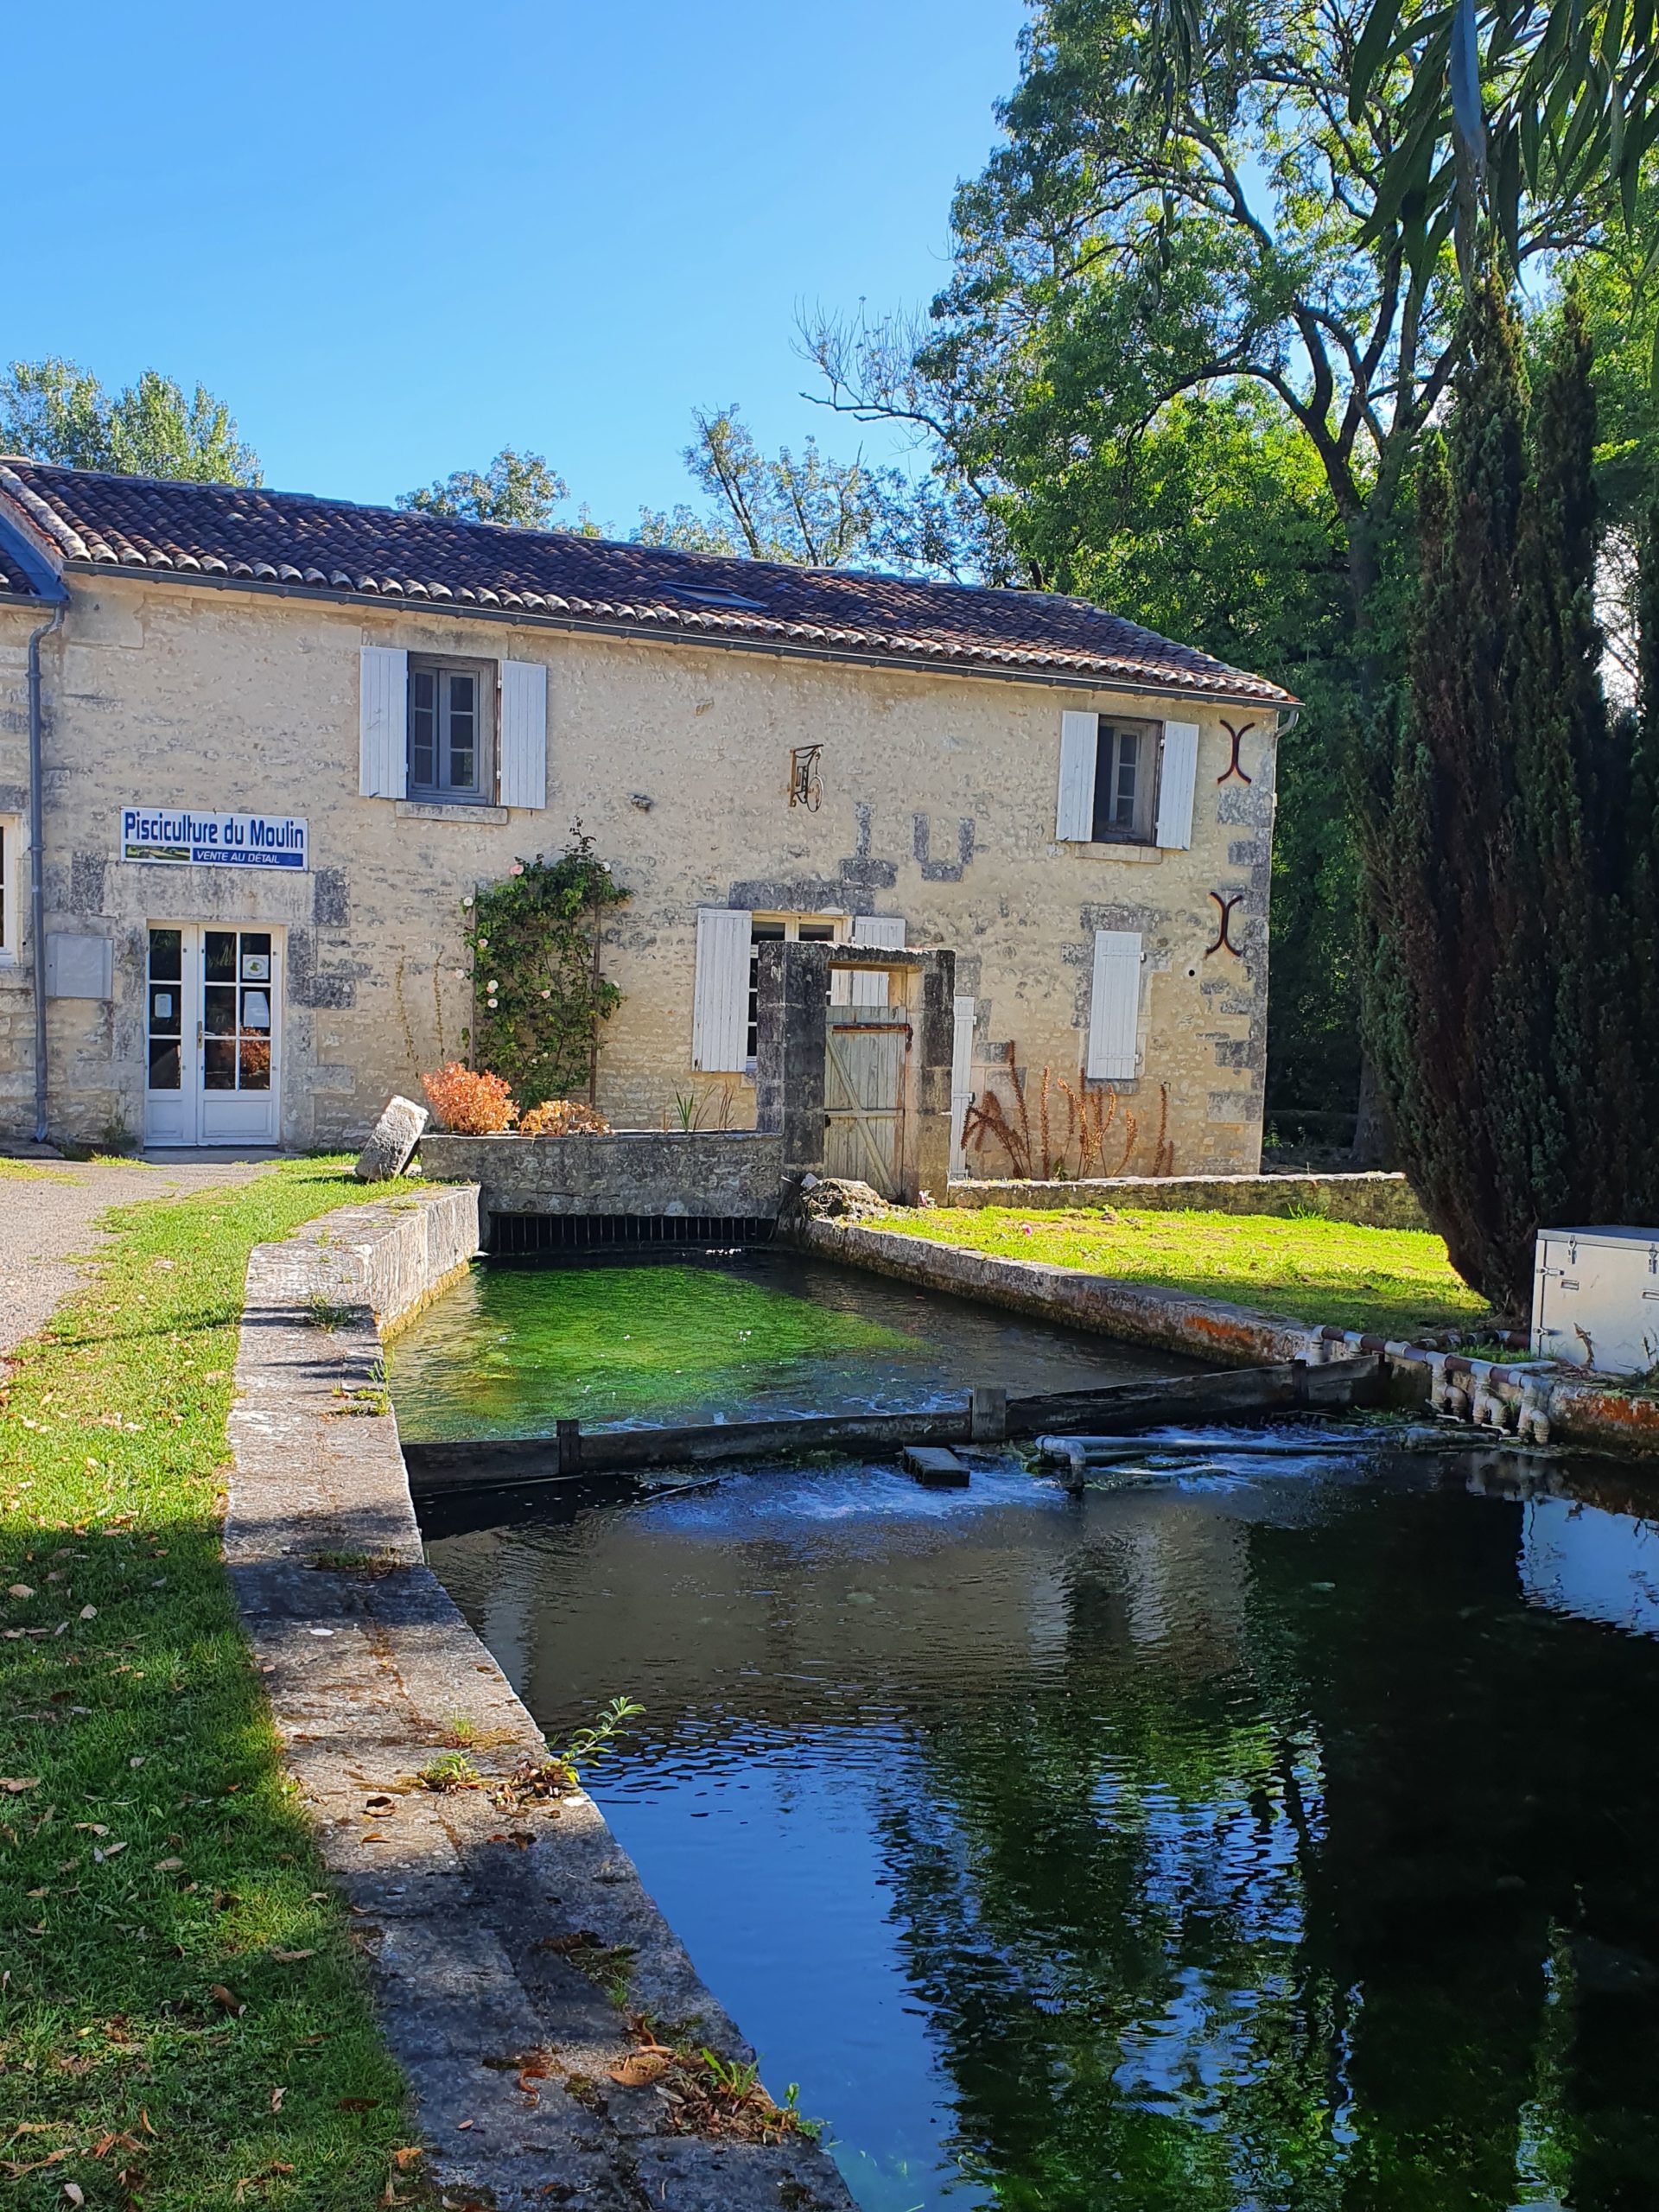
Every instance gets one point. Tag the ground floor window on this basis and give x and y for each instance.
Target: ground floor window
(779, 929)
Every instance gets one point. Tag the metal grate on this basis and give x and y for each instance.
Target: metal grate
(522, 1236)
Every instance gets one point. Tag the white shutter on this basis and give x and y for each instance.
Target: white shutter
(1074, 814)
(884, 930)
(1177, 778)
(962, 1074)
(1115, 1005)
(720, 1010)
(524, 733)
(383, 723)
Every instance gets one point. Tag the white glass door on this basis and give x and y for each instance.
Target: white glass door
(213, 1011)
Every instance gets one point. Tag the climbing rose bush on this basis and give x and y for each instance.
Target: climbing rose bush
(470, 1101)
(564, 1117)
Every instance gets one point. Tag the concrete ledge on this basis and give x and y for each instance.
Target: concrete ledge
(1377, 1201)
(366, 1672)
(722, 1172)
(1227, 1336)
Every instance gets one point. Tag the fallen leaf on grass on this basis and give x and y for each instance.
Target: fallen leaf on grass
(277, 2097)
(257, 2181)
(167, 1866)
(16, 1783)
(227, 1998)
(291, 1958)
(74, 2192)
(108, 1852)
(87, 1613)
(411, 2155)
(20, 1590)
(358, 2104)
(15, 2168)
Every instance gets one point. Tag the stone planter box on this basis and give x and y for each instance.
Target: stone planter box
(723, 1173)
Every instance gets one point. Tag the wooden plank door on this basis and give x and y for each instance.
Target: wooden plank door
(863, 1082)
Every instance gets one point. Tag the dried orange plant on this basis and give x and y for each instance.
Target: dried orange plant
(1023, 1127)
(469, 1102)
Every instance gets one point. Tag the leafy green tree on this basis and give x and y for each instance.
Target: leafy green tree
(1216, 526)
(519, 490)
(815, 512)
(53, 411)
(1142, 234)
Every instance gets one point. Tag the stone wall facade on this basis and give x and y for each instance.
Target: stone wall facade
(938, 794)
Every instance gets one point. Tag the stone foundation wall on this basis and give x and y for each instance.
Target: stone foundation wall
(1377, 1201)
(727, 1173)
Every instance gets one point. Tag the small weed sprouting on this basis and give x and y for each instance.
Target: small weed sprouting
(450, 1770)
(460, 1731)
(327, 1314)
(712, 2096)
(588, 1744)
(559, 1775)
(373, 1397)
(363, 1567)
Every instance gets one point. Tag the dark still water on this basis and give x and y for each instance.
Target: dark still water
(510, 1351)
(1279, 1837)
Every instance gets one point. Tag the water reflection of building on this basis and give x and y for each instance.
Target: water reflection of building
(1602, 1566)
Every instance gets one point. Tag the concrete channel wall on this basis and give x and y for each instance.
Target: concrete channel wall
(1378, 1201)
(1581, 1410)
(470, 1901)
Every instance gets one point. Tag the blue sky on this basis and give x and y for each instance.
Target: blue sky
(396, 238)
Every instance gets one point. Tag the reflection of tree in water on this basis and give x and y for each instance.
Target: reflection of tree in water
(1296, 1927)
(1103, 1895)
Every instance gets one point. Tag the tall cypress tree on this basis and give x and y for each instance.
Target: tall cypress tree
(1438, 891)
(1512, 882)
(1558, 1122)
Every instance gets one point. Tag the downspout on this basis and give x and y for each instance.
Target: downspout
(37, 863)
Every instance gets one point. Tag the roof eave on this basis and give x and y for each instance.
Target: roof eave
(528, 618)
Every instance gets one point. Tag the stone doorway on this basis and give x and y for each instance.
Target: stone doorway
(856, 1087)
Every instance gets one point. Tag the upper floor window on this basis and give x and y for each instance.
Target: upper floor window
(451, 736)
(1126, 776)
(1126, 782)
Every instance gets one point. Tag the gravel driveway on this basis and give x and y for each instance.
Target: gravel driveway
(47, 1218)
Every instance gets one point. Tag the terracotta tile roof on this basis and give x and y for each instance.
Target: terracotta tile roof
(223, 531)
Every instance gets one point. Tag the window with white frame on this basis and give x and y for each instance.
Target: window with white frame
(1126, 778)
(1126, 782)
(451, 751)
(11, 856)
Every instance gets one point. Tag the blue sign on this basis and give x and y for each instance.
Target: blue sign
(187, 840)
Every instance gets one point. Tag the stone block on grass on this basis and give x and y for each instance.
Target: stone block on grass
(392, 1141)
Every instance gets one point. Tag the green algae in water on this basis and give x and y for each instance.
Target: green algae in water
(509, 1353)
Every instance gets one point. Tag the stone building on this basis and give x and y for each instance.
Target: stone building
(279, 741)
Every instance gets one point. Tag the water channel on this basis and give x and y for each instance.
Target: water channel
(1273, 1834)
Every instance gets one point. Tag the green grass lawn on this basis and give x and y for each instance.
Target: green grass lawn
(183, 2023)
(1389, 1281)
